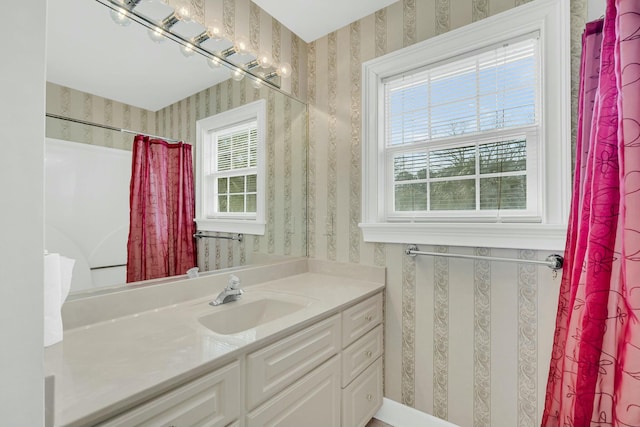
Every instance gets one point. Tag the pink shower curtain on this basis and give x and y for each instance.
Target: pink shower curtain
(162, 208)
(594, 378)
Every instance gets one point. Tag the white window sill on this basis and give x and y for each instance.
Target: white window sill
(513, 236)
(231, 226)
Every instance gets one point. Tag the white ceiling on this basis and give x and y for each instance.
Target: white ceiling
(86, 51)
(312, 19)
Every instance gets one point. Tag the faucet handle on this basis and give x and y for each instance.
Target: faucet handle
(234, 282)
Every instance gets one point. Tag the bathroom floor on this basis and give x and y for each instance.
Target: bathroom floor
(377, 423)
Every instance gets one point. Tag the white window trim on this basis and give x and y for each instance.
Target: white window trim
(252, 111)
(551, 19)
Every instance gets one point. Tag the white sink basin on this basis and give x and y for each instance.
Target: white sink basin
(239, 316)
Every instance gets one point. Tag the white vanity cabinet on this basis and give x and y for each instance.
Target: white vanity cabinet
(344, 391)
(212, 400)
(362, 362)
(326, 375)
(273, 368)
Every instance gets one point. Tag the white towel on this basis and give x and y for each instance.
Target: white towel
(57, 282)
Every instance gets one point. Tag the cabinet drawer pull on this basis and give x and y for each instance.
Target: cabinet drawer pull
(368, 317)
(369, 397)
(368, 353)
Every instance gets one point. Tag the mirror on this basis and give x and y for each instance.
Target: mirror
(105, 74)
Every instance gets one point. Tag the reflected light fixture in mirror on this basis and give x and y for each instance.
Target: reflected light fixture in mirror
(124, 11)
(120, 17)
(156, 34)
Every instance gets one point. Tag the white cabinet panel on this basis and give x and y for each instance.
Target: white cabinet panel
(359, 355)
(361, 318)
(363, 397)
(210, 401)
(277, 366)
(314, 401)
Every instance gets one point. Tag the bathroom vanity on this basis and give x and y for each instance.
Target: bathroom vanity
(303, 346)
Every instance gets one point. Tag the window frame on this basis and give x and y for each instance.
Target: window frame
(547, 230)
(206, 129)
(528, 133)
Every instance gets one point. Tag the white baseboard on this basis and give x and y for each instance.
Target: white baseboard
(399, 415)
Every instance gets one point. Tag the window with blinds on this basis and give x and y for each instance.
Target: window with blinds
(461, 136)
(232, 175)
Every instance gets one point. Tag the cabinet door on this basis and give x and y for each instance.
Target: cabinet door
(361, 318)
(359, 355)
(363, 397)
(313, 401)
(210, 401)
(271, 369)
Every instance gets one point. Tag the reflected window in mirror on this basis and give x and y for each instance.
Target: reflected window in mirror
(230, 170)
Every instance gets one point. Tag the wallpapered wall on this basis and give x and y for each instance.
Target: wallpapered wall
(466, 341)
(286, 169)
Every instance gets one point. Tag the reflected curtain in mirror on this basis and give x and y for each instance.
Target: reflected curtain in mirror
(162, 207)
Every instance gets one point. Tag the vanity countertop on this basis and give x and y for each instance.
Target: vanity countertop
(107, 367)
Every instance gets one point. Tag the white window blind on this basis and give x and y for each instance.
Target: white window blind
(496, 89)
(461, 137)
(232, 178)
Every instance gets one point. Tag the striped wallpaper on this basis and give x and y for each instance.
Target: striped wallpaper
(465, 341)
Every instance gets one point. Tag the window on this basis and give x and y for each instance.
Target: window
(461, 137)
(466, 135)
(230, 170)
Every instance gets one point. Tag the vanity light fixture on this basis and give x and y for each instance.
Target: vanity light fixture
(214, 63)
(156, 34)
(215, 29)
(237, 75)
(265, 60)
(123, 12)
(120, 17)
(284, 69)
(183, 12)
(228, 52)
(187, 50)
(242, 46)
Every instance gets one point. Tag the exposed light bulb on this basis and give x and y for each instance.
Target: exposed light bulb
(284, 70)
(215, 30)
(214, 63)
(120, 17)
(156, 34)
(237, 75)
(187, 50)
(242, 45)
(265, 60)
(183, 12)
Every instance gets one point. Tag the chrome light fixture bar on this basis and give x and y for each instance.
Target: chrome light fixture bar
(193, 44)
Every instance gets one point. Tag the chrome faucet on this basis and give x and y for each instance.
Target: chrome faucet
(230, 293)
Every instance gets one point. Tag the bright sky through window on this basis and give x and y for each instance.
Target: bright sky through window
(430, 115)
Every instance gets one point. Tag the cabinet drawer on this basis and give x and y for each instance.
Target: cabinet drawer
(363, 397)
(359, 355)
(277, 366)
(210, 401)
(313, 401)
(361, 318)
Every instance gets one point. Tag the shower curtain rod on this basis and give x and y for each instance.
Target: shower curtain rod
(554, 261)
(84, 122)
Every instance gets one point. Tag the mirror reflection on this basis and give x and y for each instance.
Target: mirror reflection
(93, 94)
